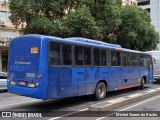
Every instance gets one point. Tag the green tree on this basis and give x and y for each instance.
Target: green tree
(136, 31)
(106, 20)
(80, 23)
(107, 16)
(41, 25)
(24, 11)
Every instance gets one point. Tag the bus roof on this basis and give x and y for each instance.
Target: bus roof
(84, 41)
(156, 51)
(38, 36)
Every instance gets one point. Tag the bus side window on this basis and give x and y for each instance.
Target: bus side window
(103, 58)
(113, 58)
(145, 61)
(96, 56)
(128, 55)
(87, 56)
(118, 58)
(133, 59)
(124, 59)
(141, 60)
(149, 59)
(137, 61)
(66, 54)
(78, 53)
(54, 54)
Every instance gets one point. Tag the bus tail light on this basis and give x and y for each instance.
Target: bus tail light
(38, 79)
(13, 83)
(39, 76)
(31, 85)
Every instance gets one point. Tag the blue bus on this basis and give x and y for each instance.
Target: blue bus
(46, 67)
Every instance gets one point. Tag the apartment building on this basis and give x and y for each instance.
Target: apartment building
(129, 2)
(153, 8)
(7, 32)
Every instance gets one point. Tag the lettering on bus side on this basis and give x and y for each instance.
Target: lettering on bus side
(20, 68)
(91, 74)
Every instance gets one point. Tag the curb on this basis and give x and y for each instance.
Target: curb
(121, 101)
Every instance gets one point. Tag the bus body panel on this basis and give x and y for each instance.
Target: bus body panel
(24, 67)
(67, 82)
(38, 92)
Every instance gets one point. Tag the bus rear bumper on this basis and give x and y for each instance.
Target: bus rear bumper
(38, 92)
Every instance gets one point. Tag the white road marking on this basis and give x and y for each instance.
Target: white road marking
(68, 114)
(17, 103)
(128, 107)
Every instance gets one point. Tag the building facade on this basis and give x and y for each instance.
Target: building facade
(129, 2)
(7, 32)
(153, 8)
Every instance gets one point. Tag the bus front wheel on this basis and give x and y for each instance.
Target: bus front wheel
(100, 91)
(142, 84)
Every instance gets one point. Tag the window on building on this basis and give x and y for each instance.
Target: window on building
(8, 15)
(148, 10)
(6, 35)
(143, 3)
(3, 16)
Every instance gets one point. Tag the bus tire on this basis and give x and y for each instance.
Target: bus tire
(142, 84)
(100, 91)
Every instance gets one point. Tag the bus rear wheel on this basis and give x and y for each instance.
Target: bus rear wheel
(100, 91)
(142, 84)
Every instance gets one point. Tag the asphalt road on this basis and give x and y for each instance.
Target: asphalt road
(11, 102)
(147, 109)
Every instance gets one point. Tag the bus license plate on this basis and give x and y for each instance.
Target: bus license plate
(22, 83)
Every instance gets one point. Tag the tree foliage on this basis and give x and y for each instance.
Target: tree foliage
(106, 20)
(41, 25)
(136, 31)
(81, 24)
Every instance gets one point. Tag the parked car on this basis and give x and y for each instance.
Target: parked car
(3, 81)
